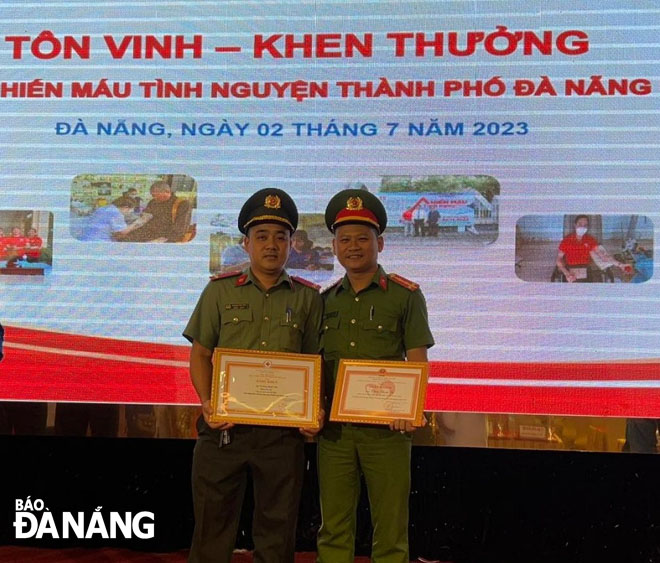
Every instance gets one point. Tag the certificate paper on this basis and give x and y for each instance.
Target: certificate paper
(266, 388)
(379, 392)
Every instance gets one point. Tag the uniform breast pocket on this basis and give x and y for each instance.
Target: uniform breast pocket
(383, 334)
(236, 325)
(291, 333)
(330, 335)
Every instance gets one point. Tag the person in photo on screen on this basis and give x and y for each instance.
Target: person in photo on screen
(108, 223)
(166, 218)
(420, 216)
(576, 251)
(33, 246)
(234, 257)
(302, 256)
(375, 316)
(3, 244)
(434, 217)
(260, 308)
(134, 195)
(15, 247)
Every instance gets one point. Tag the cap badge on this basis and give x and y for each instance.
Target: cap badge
(272, 202)
(354, 203)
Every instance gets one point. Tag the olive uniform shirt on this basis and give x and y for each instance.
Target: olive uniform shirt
(381, 322)
(234, 311)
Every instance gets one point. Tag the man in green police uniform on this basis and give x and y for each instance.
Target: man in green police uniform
(262, 308)
(369, 315)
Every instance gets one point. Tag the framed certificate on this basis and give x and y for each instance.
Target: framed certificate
(266, 388)
(379, 392)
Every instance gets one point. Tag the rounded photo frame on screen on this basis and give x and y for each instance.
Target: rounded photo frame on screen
(138, 208)
(26, 245)
(584, 248)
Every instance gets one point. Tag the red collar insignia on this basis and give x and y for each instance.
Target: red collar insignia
(382, 282)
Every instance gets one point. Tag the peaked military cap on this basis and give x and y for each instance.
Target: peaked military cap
(270, 205)
(355, 206)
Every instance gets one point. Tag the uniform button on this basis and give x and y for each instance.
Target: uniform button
(266, 318)
(380, 327)
(263, 342)
(353, 321)
(267, 294)
(295, 325)
(357, 298)
(325, 327)
(235, 319)
(353, 344)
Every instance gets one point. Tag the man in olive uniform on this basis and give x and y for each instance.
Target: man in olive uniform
(261, 308)
(369, 315)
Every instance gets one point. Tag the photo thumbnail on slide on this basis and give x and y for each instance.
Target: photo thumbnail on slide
(133, 207)
(310, 257)
(584, 248)
(441, 210)
(26, 245)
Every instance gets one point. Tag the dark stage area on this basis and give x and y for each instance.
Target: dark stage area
(467, 505)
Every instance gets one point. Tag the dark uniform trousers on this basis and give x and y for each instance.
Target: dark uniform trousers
(275, 458)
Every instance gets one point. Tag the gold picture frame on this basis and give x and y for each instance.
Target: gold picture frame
(266, 388)
(378, 392)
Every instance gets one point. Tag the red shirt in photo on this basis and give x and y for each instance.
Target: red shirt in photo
(577, 252)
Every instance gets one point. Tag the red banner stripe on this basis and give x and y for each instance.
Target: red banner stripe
(83, 343)
(53, 372)
(620, 370)
(625, 402)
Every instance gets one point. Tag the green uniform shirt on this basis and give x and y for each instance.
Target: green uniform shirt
(381, 322)
(236, 312)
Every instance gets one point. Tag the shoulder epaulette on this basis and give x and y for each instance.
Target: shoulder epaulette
(226, 275)
(305, 282)
(400, 280)
(334, 284)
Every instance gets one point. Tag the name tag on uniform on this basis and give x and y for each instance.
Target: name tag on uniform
(229, 306)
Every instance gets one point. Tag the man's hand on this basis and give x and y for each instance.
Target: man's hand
(404, 426)
(311, 432)
(207, 411)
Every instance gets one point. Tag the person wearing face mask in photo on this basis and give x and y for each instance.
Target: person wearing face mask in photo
(575, 252)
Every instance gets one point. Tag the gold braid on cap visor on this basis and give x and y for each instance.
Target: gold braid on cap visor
(266, 218)
(358, 218)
